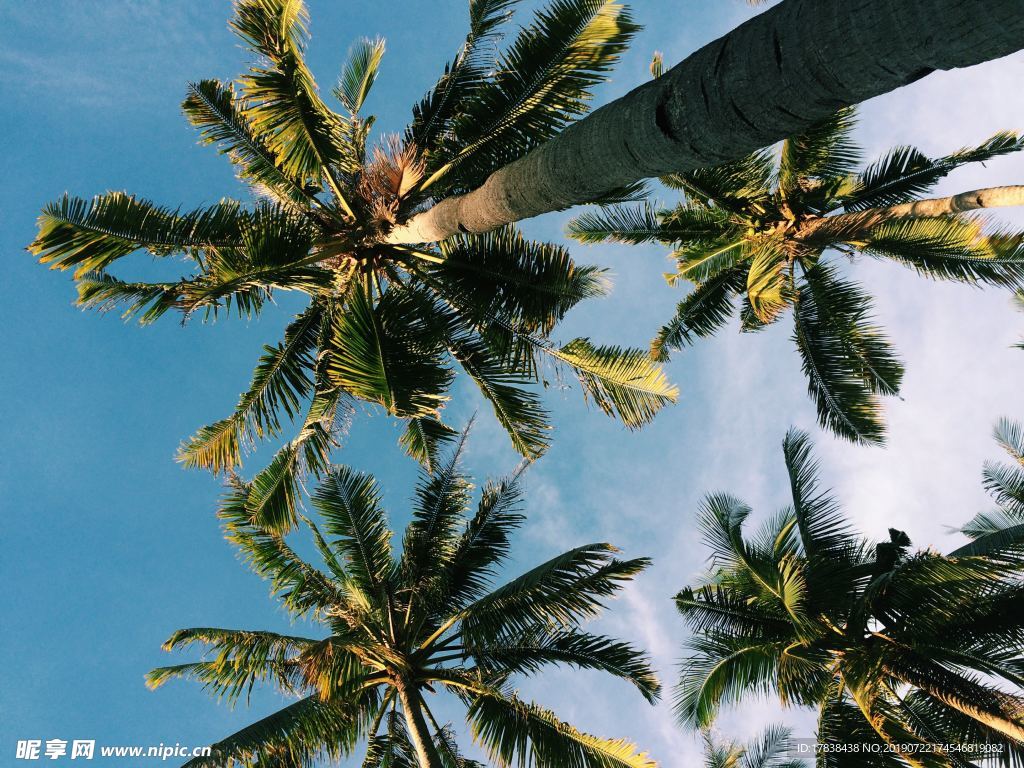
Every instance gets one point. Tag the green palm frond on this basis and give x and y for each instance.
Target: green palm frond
(700, 261)
(145, 301)
(1010, 437)
(243, 659)
(530, 285)
(349, 502)
(951, 248)
(904, 173)
(423, 438)
(222, 119)
(824, 151)
(440, 500)
(845, 358)
(89, 235)
(623, 382)
(728, 185)
(518, 410)
(824, 533)
(387, 352)
(282, 99)
(517, 732)
(297, 735)
(723, 671)
(433, 117)
(281, 382)
(563, 591)
(301, 587)
(769, 279)
(359, 73)
(543, 80)
(705, 309)
(618, 224)
(484, 543)
(535, 652)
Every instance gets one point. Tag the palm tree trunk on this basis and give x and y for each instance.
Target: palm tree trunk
(857, 226)
(770, 78)
(426, 753)
(992, 197)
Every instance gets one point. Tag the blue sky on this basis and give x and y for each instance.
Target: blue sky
(109, 545)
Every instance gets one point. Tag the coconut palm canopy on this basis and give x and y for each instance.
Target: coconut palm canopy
(892, 647)
(766, 232)
(394, 630)
(385, 323)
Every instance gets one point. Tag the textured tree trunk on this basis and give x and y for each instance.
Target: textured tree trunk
(857, 226)
(768, 79)
(426, 753)
(992, 197)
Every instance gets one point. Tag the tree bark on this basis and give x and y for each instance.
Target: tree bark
(858, 226)
(768, 79)
(426, 753)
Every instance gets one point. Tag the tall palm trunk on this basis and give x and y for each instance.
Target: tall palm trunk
(858, 225)
(770, 78)
(426, 753)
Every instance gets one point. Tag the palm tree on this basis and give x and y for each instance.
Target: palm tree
(900, 652)
(771, 749)
(384, 323)
(766, 229)
(396, 629)
(762, 82)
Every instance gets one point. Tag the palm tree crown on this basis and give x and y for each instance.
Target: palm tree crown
(399, 628)
(893, 648)
(762, 228)
(384, 322)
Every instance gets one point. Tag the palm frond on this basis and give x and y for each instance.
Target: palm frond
(388, 353)
(904, 173)
(563, 591)
(146, 301)
(281, 381)
(433, 117)
(530, 285)
(618, 224)
(516, 732)
(769, 279)
(359, 73)
(1010, 436)
(532, 653)
(349, 502)
(542, 81)
(441, 498)
(824, 151)
(622, 382)
(484, 544)
(282, 99)
(704, 310)
(89, 235)
(847, 361)
(824, 533)
(222, 119)
(423, 438)
(518, 410)
(297, 735)
(951, 248)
